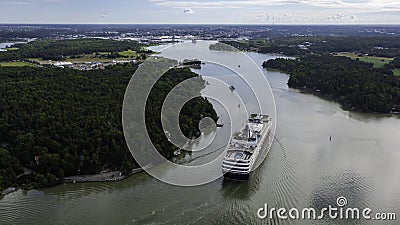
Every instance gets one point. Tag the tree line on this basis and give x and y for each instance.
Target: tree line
(62, 122)
(395, 64)
(303, 45)
(50, 49)
(356, 85)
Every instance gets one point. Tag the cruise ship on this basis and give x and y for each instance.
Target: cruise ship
(245, 146)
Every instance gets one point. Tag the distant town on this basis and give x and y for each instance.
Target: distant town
(156, 34)
(148, 35)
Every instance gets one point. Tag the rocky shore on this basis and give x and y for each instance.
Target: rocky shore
(102, 177)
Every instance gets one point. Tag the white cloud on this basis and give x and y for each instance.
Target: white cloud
(297, 11)
(33, 2)
(358, 4)
(188, 11)
(282, 17)
(343, 17)
(19, 3)
(54, 1)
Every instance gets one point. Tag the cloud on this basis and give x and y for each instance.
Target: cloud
(194, 4)
(188, 11)
(204, 4)
(54, 1)
(365, 4)
(282, 17)
(33, 2)
(19, 3)
(340, 16)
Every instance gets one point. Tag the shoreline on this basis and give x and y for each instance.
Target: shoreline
(113, 176)
(344, 105)
(8, 191)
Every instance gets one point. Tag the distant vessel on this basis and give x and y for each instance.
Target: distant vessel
(193, 63)
(168, 135)
(245, 146)
(177, 152)
(232, 88)
(9, 190)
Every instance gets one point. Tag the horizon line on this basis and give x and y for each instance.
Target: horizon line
(248, 24)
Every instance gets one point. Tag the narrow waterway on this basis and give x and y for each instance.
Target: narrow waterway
(303, 169)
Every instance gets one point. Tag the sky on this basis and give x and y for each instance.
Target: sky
(201, 11)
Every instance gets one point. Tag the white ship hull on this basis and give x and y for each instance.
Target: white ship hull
(245, 148)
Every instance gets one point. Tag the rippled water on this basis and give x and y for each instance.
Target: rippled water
(303, 169)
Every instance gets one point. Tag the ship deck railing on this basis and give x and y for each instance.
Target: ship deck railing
(239, 164)
(228, 159)
(235, 170)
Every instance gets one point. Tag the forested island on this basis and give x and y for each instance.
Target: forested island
(49, 49)
(304, 45)
(60, 122)
(356, 85)
(361, 73)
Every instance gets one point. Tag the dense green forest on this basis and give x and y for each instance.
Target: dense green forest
(58, 49)
(377, 46)
(249, 45)
(395, 64)
(190, 116)
(295, 46)
(62, 122)
(354, 84)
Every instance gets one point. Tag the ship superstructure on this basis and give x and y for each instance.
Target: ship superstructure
(245, 146)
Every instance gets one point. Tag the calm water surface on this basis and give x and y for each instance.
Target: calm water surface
(303, 169)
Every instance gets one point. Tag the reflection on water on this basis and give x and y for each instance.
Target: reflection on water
(303, 169)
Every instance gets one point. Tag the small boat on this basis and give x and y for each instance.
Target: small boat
(191, 62)
(239, 66)
(168, 135)
(220, 125)
(9, 190)
(232, 88)
(178, 152)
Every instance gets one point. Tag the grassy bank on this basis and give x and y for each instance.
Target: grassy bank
(378, 62)
(396, 72)
(17, 64)
(128, 53)
(11, 49)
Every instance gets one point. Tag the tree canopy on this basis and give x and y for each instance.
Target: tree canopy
(62, 122)
(356, 85)
(50, 49)
(303, 45)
